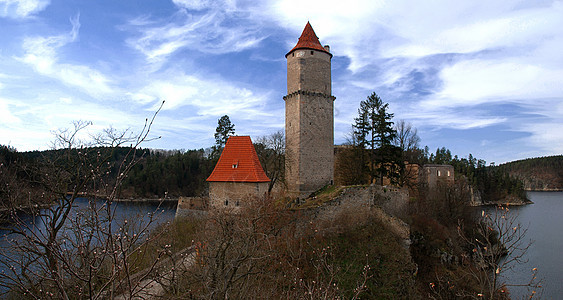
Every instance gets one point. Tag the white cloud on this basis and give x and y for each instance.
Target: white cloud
(205, 97)
(202, 4)
(217, 31)
(66, 100)
(511, 28)
(433, 117)
(27, 124)
(21, 8)
(41, 53)
(7, 117)
(473, 82)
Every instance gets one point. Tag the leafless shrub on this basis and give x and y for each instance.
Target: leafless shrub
(67, 254)
(496, 244)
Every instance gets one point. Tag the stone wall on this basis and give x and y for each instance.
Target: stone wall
(232, 195)
(192, 207)
(434, 174)
(388, 204)
(309, 70)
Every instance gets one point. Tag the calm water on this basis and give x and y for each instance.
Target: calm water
(137, 211)
(163, 212)
(544, 219)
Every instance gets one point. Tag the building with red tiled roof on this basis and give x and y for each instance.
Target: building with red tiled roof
(309, 40)
(309, 117)
(238, 175)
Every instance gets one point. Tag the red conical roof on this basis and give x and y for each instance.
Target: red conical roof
(238, 162)
(308, 40)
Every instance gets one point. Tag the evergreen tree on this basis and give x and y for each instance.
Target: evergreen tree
(374, 130)
(224, 129)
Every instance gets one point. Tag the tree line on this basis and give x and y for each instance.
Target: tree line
(157, 174)
(540, 173)
(379, 149)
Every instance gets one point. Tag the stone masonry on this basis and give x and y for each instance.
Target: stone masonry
(309, 117)
(230, 195)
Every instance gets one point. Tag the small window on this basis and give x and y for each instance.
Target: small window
(449, 174)
(312, 52)
(237, 203)
(226, 202)
(439, 173)
(235, 166)
(293, 54)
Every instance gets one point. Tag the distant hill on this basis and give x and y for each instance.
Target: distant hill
(538, 174)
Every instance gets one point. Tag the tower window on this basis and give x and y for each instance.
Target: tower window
(293, 54)
(312, 52)
(226, 202)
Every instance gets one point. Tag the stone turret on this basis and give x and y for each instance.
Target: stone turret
(309, 116)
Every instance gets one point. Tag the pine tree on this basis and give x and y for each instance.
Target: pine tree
(224, 129)
(374, 130)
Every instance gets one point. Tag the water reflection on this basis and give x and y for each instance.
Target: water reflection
(130, 217)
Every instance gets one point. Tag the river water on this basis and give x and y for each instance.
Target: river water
(138, 212)
(544, 220)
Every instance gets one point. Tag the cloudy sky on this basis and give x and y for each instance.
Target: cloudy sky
(480, 77)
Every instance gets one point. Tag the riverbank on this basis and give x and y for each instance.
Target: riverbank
(146, 200)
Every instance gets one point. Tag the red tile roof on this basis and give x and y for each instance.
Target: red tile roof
(238, 163)
(308, 40)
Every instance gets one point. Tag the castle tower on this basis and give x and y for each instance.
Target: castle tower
(309, 117)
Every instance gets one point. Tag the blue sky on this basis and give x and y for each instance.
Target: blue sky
(480, 77)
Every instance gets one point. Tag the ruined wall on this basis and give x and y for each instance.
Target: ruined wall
(434, 174)
(388, 204)
(192, 207)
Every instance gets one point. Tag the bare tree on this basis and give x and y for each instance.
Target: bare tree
(407, 136)
(64, 253)
(407, 140)
(271, 152)
(497, 244)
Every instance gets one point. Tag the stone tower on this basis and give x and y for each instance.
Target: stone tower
(309, 117)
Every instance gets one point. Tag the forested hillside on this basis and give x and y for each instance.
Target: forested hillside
(538, 174)
(172, 173)
(158, 173)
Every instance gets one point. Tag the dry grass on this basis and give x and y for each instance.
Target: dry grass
(322, 196)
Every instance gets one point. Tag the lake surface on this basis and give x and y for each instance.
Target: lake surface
(131, 211)
(544, 219)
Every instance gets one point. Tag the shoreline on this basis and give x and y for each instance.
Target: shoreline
(145, 200)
